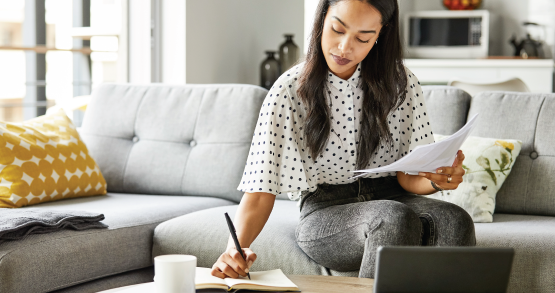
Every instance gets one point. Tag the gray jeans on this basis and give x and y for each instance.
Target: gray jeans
(341, 226)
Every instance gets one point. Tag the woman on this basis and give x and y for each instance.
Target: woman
(351, 105)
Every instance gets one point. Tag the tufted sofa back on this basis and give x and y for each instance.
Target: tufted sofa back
(172, 140)
(529, 117)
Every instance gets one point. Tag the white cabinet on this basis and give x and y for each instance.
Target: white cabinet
(536, 73)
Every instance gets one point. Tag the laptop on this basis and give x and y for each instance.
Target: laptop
(410, 269)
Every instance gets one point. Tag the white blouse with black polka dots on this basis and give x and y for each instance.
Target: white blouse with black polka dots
(278, 160)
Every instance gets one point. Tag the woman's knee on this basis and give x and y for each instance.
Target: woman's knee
(460, 216)
(399, 216)
(456, 225)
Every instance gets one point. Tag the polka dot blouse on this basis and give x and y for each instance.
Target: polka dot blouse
(279, 161)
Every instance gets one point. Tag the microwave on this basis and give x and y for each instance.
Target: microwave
(448, 34)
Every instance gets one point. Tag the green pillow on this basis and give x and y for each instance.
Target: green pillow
(487, 163)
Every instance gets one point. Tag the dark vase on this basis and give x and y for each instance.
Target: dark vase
(269, 70)
(288, 53)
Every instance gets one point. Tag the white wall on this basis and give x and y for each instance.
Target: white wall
(226, 39)
(310, 7)
(173, 41)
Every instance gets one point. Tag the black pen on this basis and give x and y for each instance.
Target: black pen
(234, 236)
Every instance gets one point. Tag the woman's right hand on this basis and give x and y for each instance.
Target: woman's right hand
(251, 216)
(231, 264)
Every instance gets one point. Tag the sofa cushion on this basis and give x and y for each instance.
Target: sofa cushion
(527, 117)
(45, 262)
(533, 238)
(447, 107)
(175, 140)
(205, 234)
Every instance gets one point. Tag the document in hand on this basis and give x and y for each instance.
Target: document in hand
(427, 158)
(274, 280)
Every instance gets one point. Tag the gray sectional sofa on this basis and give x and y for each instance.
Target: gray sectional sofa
(173, 156)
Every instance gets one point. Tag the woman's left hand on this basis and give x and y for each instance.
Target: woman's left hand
(448, 178)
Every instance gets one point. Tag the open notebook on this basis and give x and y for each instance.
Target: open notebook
(274, 280)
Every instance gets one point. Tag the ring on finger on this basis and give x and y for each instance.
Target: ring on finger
(449, 179)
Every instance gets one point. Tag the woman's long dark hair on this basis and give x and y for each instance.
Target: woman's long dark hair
(383, 80)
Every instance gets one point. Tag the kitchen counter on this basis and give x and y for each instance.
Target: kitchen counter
(536, 73)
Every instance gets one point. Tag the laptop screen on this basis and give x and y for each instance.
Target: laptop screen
(442, 269)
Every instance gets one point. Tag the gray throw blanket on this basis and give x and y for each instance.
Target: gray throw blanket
(15, 224)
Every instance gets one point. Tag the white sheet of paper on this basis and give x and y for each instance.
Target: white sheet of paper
(427, 158)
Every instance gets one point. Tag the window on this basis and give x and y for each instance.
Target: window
(50, 64)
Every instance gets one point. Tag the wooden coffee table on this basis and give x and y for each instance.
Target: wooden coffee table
(310, 284)
(327, 284)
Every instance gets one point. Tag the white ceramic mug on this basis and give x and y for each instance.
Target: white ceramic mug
(175, 273)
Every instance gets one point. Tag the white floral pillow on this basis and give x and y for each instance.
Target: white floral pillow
(487, 164)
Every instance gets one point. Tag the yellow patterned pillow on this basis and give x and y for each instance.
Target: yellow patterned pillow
(44, 159)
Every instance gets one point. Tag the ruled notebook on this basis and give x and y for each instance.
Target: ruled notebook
(274, 280)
